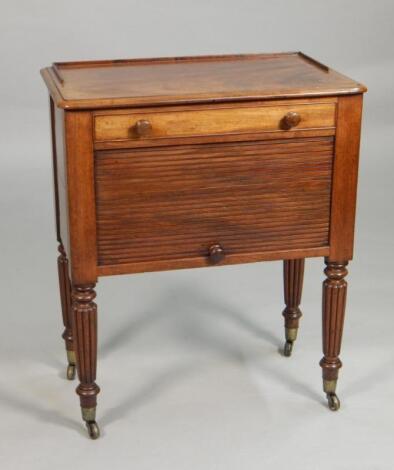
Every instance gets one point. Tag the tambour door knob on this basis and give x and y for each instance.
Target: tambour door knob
(142, 127)
(291, 119)
(216, 254)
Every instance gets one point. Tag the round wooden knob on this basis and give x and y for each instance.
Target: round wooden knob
(142, 127)
(216, 254)
(290, 120)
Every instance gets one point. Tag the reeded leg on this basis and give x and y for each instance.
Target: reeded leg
(65, 298)
(293, 276)
(334, 302)
(85, 328)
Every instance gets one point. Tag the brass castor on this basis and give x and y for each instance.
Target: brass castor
(287, 350)
(71, 372)
(93, 429)
(333, 402)
(71, 365)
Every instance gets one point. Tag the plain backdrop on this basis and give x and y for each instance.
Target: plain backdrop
(189, 366)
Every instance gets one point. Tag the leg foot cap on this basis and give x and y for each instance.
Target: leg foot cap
(71, 372)
(287, 350)
(93, 429)
(333, 402)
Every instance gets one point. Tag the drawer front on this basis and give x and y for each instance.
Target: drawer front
(208, 122)
(176, 203)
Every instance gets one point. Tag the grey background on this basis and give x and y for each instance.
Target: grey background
(189, 366)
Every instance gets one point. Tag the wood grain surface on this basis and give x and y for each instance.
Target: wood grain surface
(174, 203)
(231, 120)
(202, 161)
(344, 191)
(334, 303)
(293, 278)
(81, 211)
(119, 83)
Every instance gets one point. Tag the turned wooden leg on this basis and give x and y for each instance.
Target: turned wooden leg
(85, 328)
(334, 302)
(293, 276)
(65, 298)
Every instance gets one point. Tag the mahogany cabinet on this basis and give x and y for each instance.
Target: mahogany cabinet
(200, 161)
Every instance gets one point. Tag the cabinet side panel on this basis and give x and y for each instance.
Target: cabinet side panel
(59, 174)
(54, 167)
(344, 189)
(81, 196)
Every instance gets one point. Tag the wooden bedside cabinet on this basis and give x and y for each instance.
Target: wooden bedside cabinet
(188, 162)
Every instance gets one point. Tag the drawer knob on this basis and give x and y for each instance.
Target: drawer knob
(142, 127)
(216, 254)
(290, 120)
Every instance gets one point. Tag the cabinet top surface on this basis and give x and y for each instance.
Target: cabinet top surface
(204, 79)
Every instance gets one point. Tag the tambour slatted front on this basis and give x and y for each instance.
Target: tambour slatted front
(191, 162)
(168, 203)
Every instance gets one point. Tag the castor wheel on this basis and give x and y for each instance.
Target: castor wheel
(71, 372)
(288, 348)
(93, 429)
(333, 402)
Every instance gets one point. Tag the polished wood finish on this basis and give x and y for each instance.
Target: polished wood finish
(343, 200)
(211, 138)
(85, 328)
(292, 119)
(65, 298)
(120, 83)
(203, 261)
(334, 302)
(187, 162)
(142, 128)
(60, 176)
(164, 124)
(279, 199)
(216, 254)
(52, 113)
(81, 197)
(293, 277)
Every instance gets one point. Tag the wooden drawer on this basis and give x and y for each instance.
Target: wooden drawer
(159, 205)
(171, 124)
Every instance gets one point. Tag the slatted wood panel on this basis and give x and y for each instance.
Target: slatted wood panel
(173, 203)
